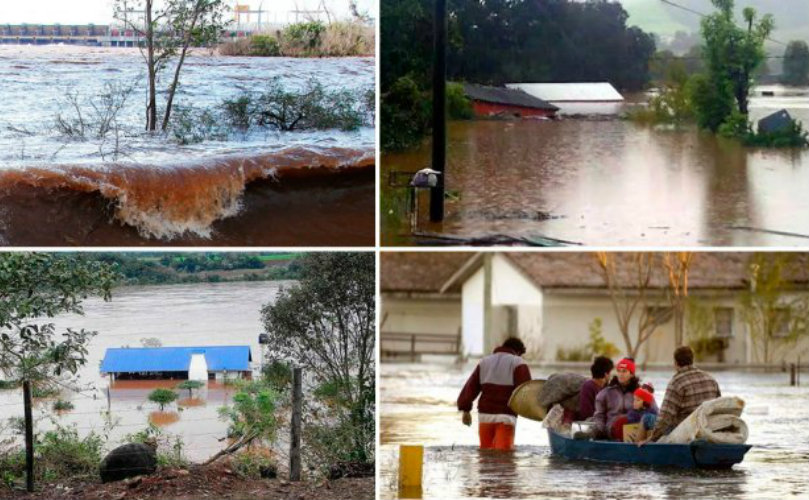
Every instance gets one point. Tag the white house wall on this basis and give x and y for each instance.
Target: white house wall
(510, 286)
(421, 315)
(472, 314)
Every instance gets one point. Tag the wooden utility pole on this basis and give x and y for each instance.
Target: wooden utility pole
(295, 441)
(439, 109)
(29, 437)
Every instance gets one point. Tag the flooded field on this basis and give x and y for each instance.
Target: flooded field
(135, 188)
(178, 315)
(418, 407)
(618, 183)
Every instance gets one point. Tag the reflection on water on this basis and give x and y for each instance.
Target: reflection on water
(163, 418)
(418, 407)
(618, 183)
(177, 315)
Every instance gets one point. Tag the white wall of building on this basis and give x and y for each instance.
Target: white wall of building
(472, 315)
(198, 368)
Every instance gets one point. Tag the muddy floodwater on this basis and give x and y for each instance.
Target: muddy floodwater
(614, 182)
(257, 187)
(178, 315)
(418, 407)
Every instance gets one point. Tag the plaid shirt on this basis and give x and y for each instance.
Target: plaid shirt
(689, 388)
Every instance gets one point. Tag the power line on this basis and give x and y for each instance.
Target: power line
(702, 14)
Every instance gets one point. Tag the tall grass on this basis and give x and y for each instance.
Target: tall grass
(310, 39)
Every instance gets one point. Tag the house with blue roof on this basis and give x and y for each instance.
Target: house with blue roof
(191, 363)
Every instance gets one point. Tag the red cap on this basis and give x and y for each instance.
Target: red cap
(627, 364)
(645, 395)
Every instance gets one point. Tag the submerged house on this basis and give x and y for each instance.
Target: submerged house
(576, 98)
(501, 101)
(191, 363)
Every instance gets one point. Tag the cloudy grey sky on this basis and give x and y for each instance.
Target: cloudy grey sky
(100, 11)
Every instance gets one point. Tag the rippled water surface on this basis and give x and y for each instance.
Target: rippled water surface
(418, 407)
(618, 183)
(37, 78)
(178, 315)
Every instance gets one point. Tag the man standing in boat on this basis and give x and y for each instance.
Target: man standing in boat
(688, 388)
(494, 379)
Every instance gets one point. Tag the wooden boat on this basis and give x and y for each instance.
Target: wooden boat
(699, 454)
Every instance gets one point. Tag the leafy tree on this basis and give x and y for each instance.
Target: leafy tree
(251, 416)
(732, 54)
(776, 317)
(326, 324)
(190, 385)
(35, 286)
(162, 397)
(796, 64)
(168, 32)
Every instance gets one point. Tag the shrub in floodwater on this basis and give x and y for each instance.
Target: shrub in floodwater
(96, 116)
(62, 405)
(313, 107)
(9, 384)
(192, 126)
(459, 107)
(190, 385)
(406, 115)
(162, 397)
(237, 111)
(40, 392)
(737, 126)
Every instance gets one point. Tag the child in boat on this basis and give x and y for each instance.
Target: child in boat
(643, 412)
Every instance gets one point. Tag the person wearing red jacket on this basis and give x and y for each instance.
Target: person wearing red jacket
(494, 379)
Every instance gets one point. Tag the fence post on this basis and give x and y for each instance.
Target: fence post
(793, 373)
(295, 440)
(29, 437)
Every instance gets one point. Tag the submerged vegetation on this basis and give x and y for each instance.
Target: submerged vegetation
(716, 93)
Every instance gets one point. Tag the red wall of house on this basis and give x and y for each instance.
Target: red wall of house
(488, 109)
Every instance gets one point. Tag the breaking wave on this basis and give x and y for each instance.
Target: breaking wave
(166, 201)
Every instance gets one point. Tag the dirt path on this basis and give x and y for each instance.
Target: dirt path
(198, 482)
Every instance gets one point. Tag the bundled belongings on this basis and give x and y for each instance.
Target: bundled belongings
(533, 399)
(563, 389)
(524, 401)
(714, 421)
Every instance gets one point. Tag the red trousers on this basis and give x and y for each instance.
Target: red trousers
(496, 436)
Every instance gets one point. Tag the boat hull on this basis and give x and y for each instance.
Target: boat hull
(699, 454)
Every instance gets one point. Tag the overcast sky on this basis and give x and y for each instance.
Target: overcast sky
(100, 11)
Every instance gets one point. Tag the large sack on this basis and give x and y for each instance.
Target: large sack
(129, 460)
(563, 389)
(715, 421)
(524, 400)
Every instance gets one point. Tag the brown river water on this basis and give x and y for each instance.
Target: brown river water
(178, 315)
(617, 183)
(417, 406)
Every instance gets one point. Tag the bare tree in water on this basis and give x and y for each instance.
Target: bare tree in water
(171, 30)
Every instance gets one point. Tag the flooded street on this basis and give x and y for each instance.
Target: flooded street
(178, 315)
(134, 188)
(617, 183)
(418, 407)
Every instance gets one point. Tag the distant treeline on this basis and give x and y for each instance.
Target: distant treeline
(499, 41)
(153, 268)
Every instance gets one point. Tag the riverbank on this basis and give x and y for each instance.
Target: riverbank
(196, 482)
